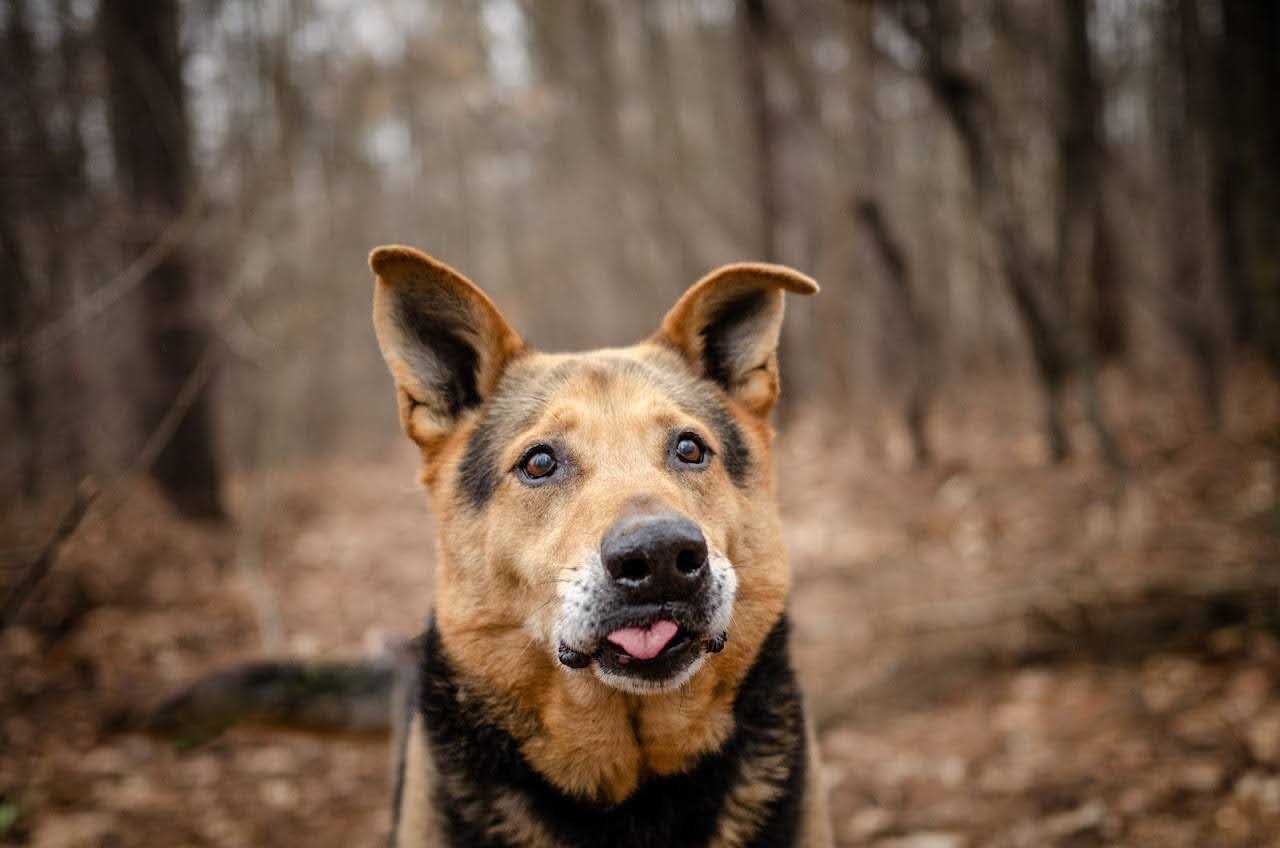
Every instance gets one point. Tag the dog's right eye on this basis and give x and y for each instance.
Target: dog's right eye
(539, 463)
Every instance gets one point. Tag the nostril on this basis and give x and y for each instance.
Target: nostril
(633, 568)
(689, 561)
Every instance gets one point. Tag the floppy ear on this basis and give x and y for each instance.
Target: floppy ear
(727, 326)
(443, 339)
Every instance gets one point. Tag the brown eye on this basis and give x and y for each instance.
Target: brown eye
(540, 463)
(690, 450)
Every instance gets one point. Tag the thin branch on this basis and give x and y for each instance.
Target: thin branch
(35, 571)
(178, 409)
(1062, 599)
(109, 294)
(87, 493)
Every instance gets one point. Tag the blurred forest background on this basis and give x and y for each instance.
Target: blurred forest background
(1030, 456)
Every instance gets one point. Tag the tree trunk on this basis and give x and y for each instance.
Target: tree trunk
(897, 275)
(753, 22)
(65, 224)
(18, 297)
(15, 297)
(668, 172)
(1080, 161)
(1183, 128)
(1246, 155)
(603, 108)
(151, 142)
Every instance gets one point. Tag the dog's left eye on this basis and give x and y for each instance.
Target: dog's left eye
(690, 450)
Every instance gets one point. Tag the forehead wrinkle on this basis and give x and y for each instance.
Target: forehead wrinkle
(697, 398)
(559, 400)
(557, 420)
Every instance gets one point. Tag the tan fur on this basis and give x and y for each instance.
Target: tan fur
(518, 825)
(416, 826)
(759, 787)
(816, 831)
(498, 568)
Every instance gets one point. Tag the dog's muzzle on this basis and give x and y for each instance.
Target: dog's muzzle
(648, 609)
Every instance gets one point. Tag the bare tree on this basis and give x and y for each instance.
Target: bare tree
(668, 170)
(934, 27)
(892, 259)
(42, 160)
(920, 331)
(1082, 269)
(754, 26)
(1246, 166)
(1182, 130)
(152, 148)
(17, 294)
(15, 297)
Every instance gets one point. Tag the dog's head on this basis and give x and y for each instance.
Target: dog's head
(607, 514)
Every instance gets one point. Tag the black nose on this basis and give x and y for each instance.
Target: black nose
(655, 558)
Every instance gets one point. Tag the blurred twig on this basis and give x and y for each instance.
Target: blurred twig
(114, 290)
(265, 603)
(181, 405)
(87, 493)
(34, 572)
(1061, 601)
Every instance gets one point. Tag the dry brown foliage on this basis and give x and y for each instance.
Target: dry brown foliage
(999, 652)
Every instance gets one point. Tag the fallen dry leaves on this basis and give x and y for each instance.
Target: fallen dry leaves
(923, 601)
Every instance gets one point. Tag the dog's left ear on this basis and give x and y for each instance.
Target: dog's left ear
(727, 326)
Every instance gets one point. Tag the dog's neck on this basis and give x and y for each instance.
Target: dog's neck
(490, 792)
(585, 738)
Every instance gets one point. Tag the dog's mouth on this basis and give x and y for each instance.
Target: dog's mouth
(645, 643)
(654, 648)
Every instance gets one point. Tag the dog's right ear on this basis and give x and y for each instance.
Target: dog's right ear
(443, 339)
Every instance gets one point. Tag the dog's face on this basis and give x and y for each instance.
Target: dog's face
(607, 514)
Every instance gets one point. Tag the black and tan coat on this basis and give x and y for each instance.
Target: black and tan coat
(607, 661)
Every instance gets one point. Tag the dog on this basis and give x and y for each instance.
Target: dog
(607, 662)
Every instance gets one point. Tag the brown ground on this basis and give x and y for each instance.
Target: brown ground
(998, 653)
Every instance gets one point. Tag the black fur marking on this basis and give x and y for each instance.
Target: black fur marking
(478, 473)
(736, 456)
(718, 336)
(478, 763)
(447, 360)
(704, 402)
(518, 400)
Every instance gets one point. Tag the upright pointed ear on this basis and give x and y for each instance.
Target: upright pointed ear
(727, 326)
(443, 339)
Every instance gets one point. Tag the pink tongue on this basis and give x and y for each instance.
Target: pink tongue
(644, 643)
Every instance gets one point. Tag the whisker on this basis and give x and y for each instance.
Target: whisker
(552, 582)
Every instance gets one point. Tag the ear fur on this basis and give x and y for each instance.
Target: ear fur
(728, 323)
(444, 341)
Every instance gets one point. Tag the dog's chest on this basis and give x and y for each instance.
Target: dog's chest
(748, 794)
